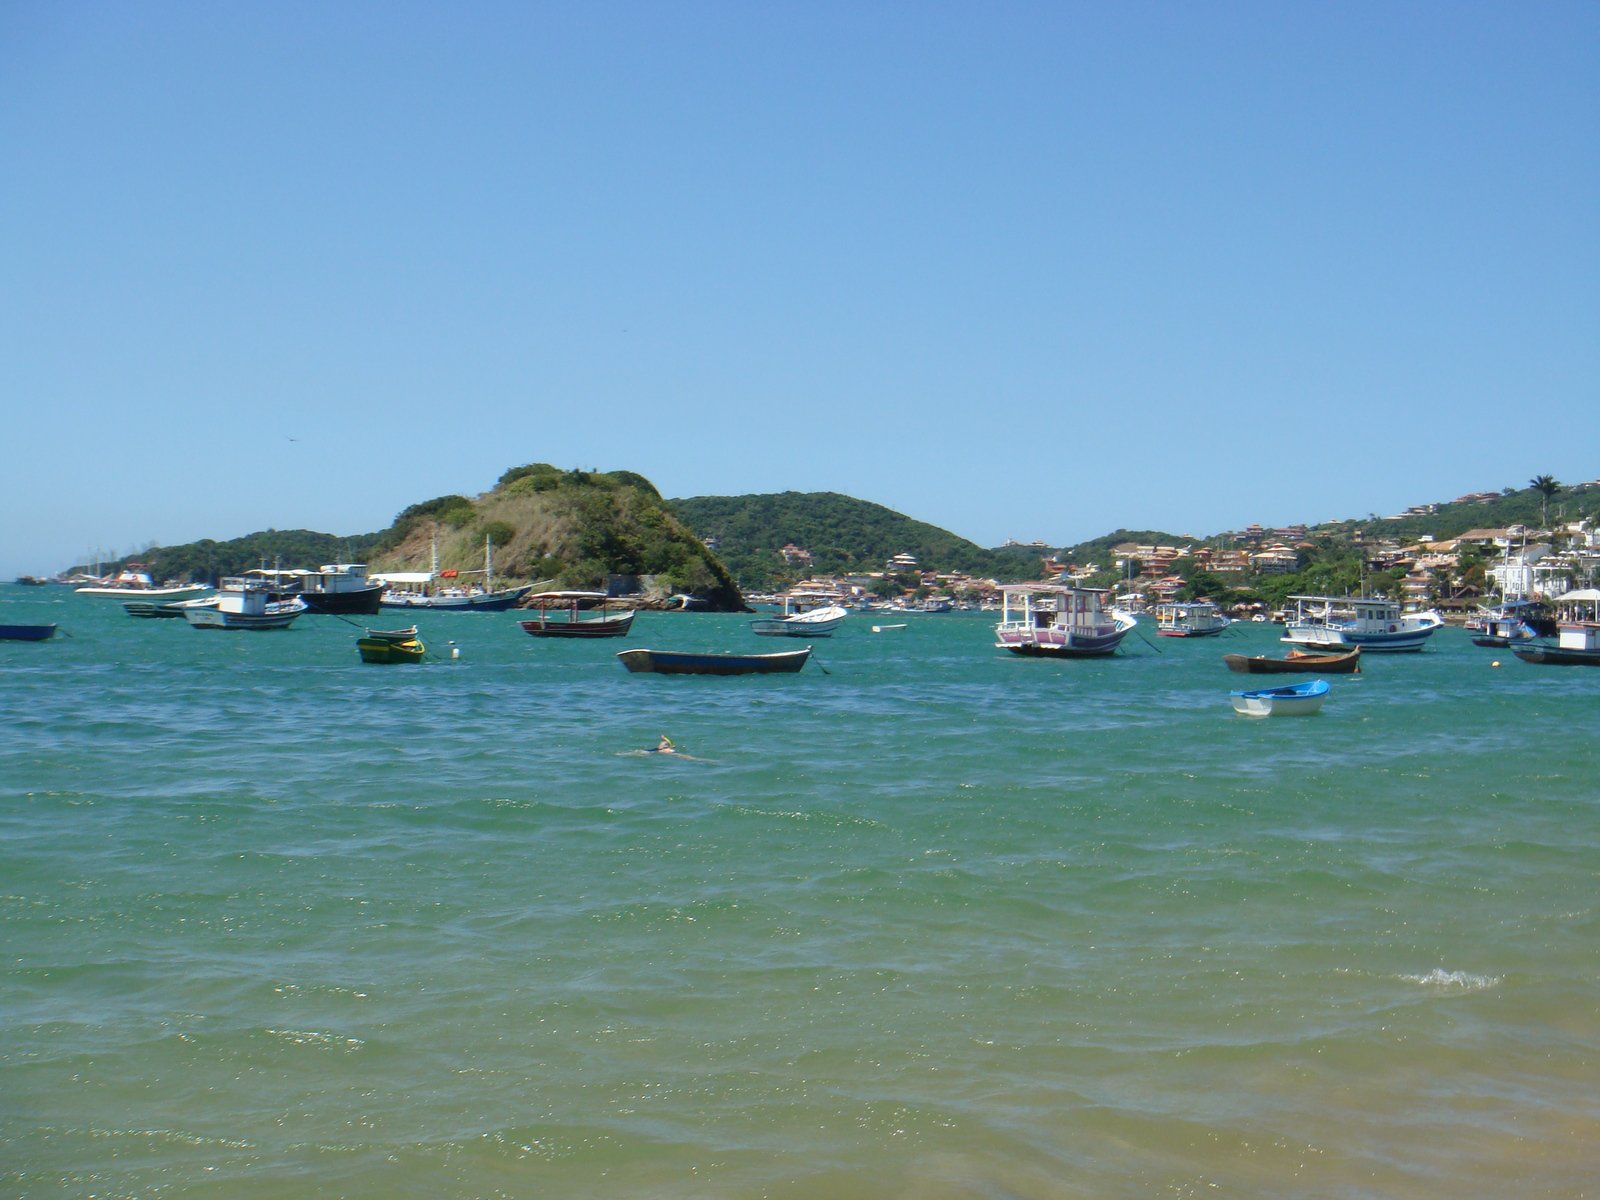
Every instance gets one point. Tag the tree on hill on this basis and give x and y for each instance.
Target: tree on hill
(1547, 487)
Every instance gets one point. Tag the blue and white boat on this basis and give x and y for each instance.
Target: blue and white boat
(1293, 700)
(1375, 624)
(242, 604)
(806, 613)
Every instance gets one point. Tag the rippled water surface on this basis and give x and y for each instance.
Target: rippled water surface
(924, 921)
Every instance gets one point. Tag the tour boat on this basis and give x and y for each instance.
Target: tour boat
(242, 604)
(417, 589)
(1190, 618)
(576, 614)
(1054, 621)
(1373, 623)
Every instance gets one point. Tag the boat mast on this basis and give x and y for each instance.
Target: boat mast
(488, 566)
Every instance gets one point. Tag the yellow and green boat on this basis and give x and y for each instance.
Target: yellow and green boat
(391, 646)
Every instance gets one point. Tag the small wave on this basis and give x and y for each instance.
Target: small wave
(312, 1037)
(1454, 980)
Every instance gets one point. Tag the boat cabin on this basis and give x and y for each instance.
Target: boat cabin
(1050, 618)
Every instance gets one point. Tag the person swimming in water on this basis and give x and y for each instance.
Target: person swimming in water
(664, 746)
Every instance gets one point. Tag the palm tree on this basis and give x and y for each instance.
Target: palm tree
(1546, 486)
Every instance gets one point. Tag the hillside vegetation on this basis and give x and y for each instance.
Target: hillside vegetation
(842, 534)
(569, 529)
(209, 560)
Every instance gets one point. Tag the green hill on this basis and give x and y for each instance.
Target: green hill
(842, 534)
(569, 529)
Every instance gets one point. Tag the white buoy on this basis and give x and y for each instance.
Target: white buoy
(455, 650)
(1495, 663)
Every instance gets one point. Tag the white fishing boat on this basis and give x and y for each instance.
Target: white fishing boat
(242, 604)
(1375, 624)
(807, 613)
(1050, 620)
(1190, 618)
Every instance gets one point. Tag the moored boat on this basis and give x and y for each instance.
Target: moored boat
(242, 604)
(133, 582)
(809, 623)
(673, 662)
(1051, 620)
(576, 614)
(27, 633)
(1371, 622)
(391, 646)
(417, 589)
(1512, 623)
(341, 588)
(1292, 700)
(1297, 662)
(152, 609)
(1577, 637)
(1190, 618)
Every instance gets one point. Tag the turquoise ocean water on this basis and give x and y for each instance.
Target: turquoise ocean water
(940, 923)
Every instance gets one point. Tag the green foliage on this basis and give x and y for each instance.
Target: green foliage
(535, 477)
(499, 533)
(209, 560)
(843, 534)
(455, 511)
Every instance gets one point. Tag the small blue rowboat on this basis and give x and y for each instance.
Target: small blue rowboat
(1295, 700)
(26, 633)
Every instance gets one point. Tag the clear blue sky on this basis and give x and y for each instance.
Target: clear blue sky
(1032, 270)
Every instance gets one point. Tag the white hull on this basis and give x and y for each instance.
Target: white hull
(1277, 706)
(1374, 624)
(818, 623)
(181, 592)
(1374, 642)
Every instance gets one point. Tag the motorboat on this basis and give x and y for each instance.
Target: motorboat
(1190, 618)
(242, 604)
(1373, 623)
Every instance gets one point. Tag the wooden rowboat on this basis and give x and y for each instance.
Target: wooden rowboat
(672, 662)
(1297, 661)
(391, 646)
(26, 633)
